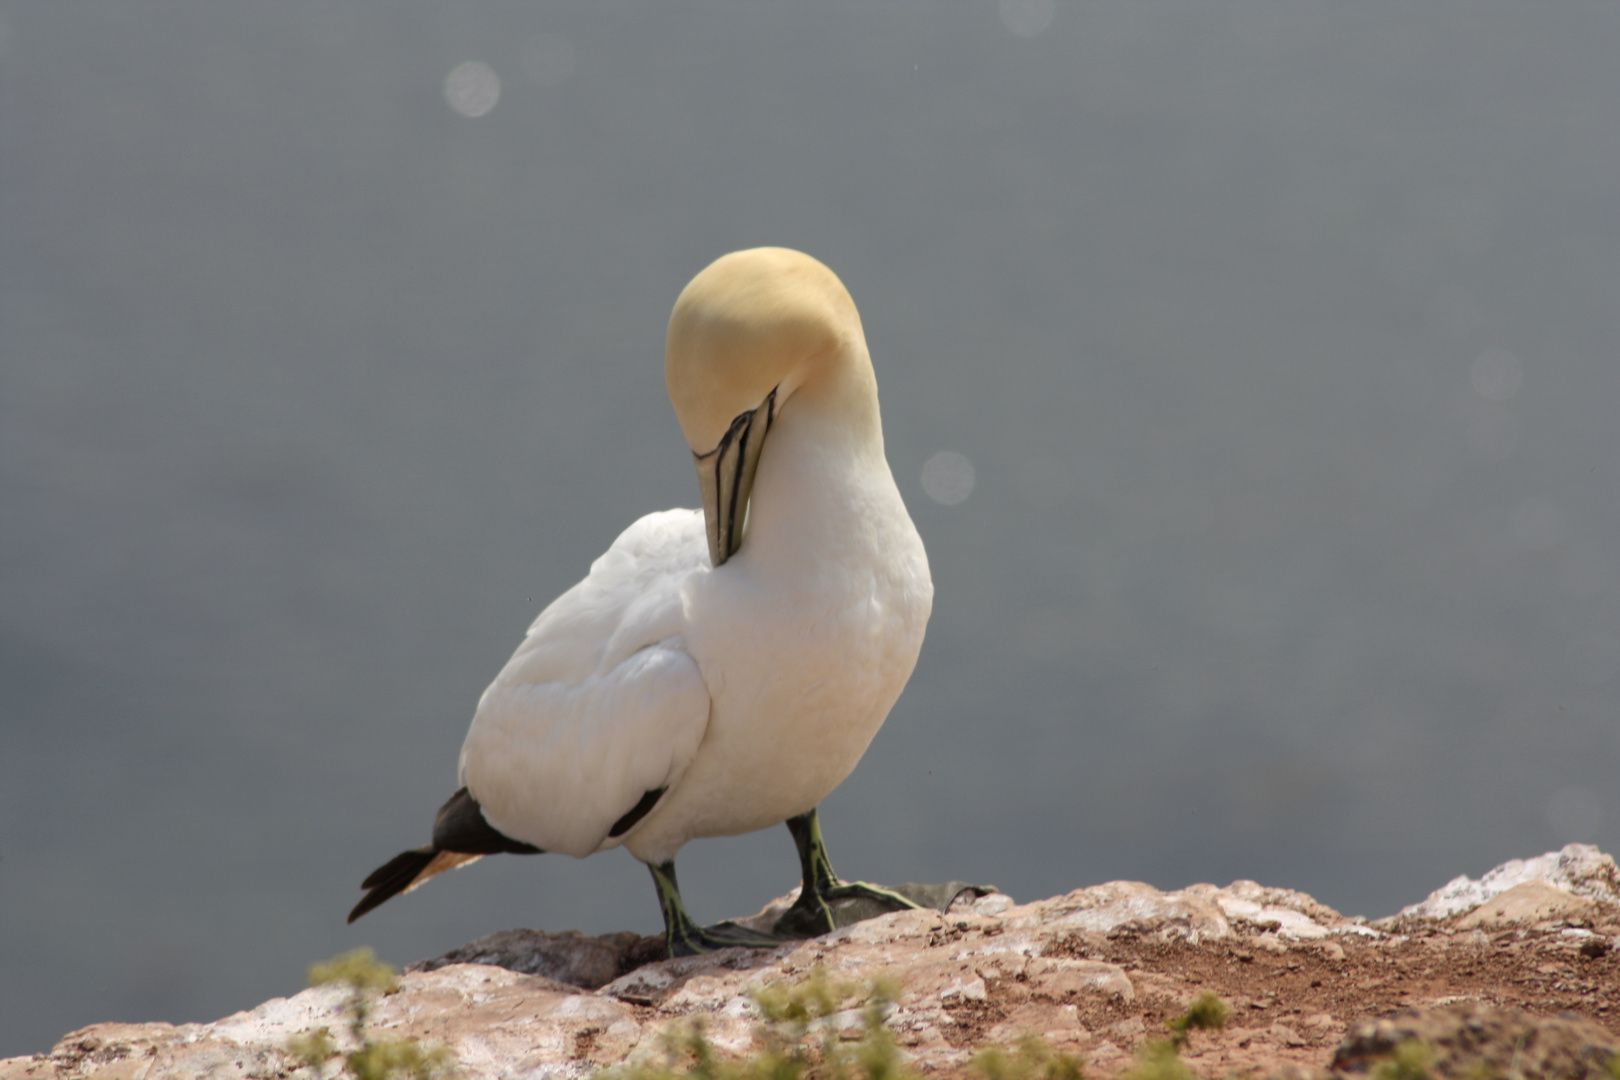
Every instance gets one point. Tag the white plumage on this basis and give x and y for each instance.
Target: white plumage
(742, 669)
(601, 702)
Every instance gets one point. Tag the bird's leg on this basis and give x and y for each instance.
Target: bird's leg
(685, 937)
(812, 913)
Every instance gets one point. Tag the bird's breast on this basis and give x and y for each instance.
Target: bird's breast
(804, 639)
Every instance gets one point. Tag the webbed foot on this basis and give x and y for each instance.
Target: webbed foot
(826, 903)
(726, 935)
(821, 910)
(685, 937)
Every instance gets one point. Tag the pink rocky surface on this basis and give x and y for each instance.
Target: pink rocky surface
(1095, 972)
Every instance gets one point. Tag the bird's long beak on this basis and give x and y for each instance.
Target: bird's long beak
(726, 475)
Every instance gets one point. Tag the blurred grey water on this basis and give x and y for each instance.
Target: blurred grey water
(1273, 352)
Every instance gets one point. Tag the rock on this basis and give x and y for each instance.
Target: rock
(1528, 902)
(969, 988)
(1330, 949)
(1471, 1039)
(1066, 980)
(1128, 1030)
(1580, 869)
(569, 957)
(951, 895)
(1096, 972)
(1291, 914)
(1282, 1033)
(1190, 914)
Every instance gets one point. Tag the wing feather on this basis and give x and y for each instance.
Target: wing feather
(601, 703)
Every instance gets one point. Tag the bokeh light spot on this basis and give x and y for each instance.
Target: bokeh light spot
(549, 59)
(1026, 18)
(1574, 814)
(947, 477)
(472, 89)
(1496, 374)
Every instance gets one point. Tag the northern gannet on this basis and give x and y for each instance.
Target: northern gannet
(718, 670)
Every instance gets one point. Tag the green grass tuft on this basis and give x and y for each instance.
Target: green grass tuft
(1032, 1059)
(1159, 1059)
(359, 970)
(1410, 1060)
(373, 1059)
(1206, 1013)
(807, 1032)
(800, 1039)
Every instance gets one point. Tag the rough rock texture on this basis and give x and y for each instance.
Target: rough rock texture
(1519, 970)
(570, 957)
(1578, 869)
(1470, 1039)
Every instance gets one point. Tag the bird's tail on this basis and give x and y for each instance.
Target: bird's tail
(461, 835)
(404, 872)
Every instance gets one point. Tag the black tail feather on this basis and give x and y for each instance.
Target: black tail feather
(460, 826)
(392, 878)
(460, 835)
(404, 867)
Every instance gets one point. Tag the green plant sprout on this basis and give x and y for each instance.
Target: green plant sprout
(1032, 1059)
(791, 1013)
(1206, 1013)
(1410, 1060)
(372, 1059)
(858, 1050)
(1160, 1059)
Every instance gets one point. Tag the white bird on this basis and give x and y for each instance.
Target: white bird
(722, 670)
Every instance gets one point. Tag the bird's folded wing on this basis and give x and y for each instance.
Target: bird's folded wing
(601, 704)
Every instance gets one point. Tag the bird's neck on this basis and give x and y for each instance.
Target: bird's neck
(838, 403)
(824, 493)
